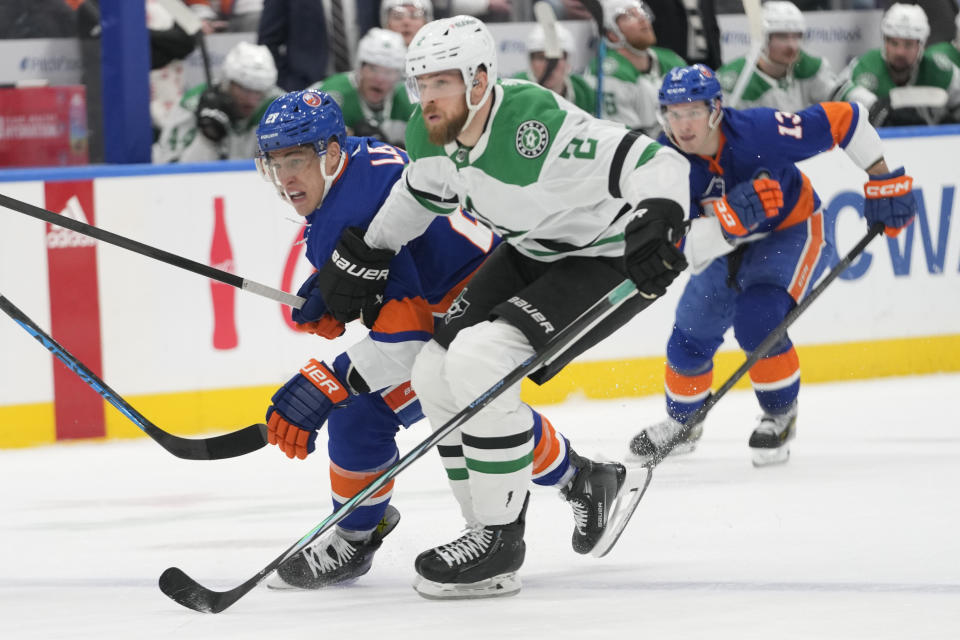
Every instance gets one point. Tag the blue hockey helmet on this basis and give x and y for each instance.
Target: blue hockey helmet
(301, 118)
(690, 84)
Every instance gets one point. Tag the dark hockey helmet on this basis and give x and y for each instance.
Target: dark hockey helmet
(301, 118)
(690, 84)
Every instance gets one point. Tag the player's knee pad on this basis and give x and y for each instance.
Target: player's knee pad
(759, 309)
(482, 355)
(688, 355)
(429, 381)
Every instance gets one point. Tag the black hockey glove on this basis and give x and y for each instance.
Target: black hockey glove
(367, 129)
(215, 114)
(651, 258)
(880, 111)
(353, 280)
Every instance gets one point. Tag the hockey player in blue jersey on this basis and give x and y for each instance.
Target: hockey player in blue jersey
(338, 183)
(756, 243)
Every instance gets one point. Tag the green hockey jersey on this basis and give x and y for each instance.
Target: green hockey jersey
(360, 118)
(577, 91)
(629, 95)
(549, 178)
(181, 141)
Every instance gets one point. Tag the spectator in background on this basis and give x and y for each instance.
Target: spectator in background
(372, 98)
(902, 62)
(169, 45)
(219, 122)
(689, 29)
(570, 86)
(405, 17)
(785, 78)
(22, 19)
(295, 31)
(228, 15)
(633, 66)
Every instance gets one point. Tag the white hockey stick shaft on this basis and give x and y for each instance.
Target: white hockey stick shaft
(755, 22)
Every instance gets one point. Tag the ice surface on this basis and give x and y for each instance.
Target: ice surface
(858, 536)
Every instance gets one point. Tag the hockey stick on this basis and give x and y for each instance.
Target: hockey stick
(755, 21)
(547, 20)
(596, 12)
(152, 252)
(229, 445)
(188, 592)
(762, 349)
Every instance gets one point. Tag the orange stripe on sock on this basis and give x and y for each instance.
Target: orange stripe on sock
(348, 483)
(548, 449)
(775, 368)
(681, 385)
(808, 260)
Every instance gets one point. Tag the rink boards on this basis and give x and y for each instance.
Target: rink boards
(194, 356)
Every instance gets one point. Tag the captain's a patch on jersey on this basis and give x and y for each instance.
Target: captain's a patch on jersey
(532, 138)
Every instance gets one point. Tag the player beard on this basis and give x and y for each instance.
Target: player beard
(447, 129)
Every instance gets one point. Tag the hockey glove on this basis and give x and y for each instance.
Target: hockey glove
(748, 204)
(215, 114)
(353, 280)
(889, 199)
(651, 258)
(326, 327)
(301, 406)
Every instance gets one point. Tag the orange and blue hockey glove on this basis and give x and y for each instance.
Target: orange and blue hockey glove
(301, 406)
(748, 204)
(890, 200)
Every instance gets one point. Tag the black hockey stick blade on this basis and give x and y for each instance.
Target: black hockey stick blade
(186, 591)
(229, 445)
(763, 348)
(151, 252)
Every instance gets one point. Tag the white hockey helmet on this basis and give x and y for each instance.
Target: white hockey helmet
(780, 16)
(463, 43)
(383, 48)
(907, 21)
(387, 5)
(613, 9)
(536, 39)
(250, 66)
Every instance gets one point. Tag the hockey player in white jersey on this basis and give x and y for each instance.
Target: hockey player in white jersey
(786, 78)
(581, 205)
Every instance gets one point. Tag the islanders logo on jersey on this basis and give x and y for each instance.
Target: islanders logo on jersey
(532, 138)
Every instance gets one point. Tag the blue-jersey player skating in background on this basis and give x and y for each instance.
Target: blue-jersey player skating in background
(338, 183)
(756, 242)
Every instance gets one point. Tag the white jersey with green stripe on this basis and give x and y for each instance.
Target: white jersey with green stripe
(549, 178)
(809, 81)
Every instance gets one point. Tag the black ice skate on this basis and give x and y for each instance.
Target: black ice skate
(770, 441)
(333, 560)
(482, 563)
(650, 442)
(603, 496)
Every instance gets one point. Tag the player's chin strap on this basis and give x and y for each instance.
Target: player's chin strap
(473, 109)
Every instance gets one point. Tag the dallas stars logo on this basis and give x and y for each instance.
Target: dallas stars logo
(532, 138)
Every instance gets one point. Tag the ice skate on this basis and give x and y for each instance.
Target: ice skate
(333, 560)
(482, 563)
(603, 496)
(649, 442)
(770, 441)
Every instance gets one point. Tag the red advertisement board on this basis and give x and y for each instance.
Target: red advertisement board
(43, 126)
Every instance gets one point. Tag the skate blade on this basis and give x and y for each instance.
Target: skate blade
(506, 584)
(770, 457)
(634, 486)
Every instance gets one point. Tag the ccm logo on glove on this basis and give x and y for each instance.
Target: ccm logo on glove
(324, 380)
(356, 270)
(888, 188)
